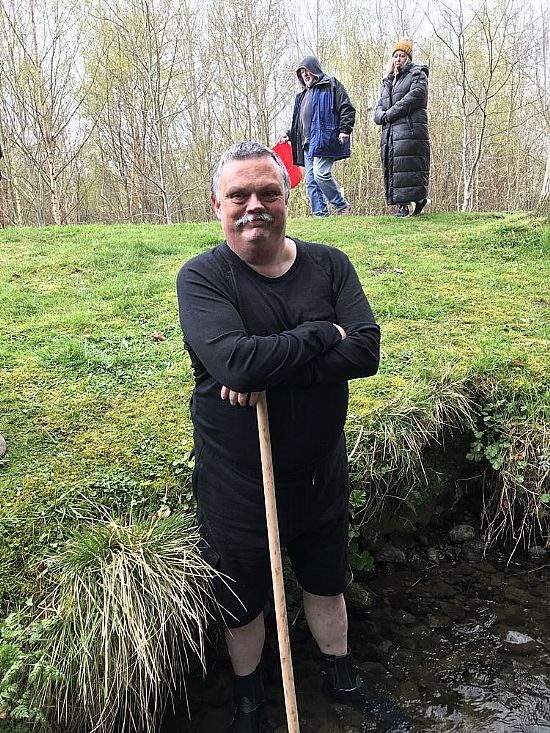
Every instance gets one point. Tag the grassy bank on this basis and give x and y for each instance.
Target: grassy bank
(95, 384)
(95, 387)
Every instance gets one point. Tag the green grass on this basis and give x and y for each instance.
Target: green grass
(93, 406)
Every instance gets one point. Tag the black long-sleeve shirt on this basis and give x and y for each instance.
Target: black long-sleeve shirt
(250, 332)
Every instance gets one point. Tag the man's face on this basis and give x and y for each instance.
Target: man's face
(252, 207)
(307, 77)
(399, 59)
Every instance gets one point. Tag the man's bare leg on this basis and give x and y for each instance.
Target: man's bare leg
(245, 645)
(327, 619)
(343, 680)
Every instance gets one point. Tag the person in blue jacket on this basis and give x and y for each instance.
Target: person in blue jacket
(322, 123)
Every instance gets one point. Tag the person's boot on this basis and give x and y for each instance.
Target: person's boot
(249, 699)
(343, 682)
(402, 210)
(419, 205)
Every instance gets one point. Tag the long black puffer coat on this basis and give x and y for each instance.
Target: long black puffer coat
(405, 142)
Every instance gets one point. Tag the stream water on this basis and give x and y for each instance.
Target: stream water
(461, 647)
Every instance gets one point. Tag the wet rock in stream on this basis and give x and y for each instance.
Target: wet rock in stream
(462, 533)
(518, 643)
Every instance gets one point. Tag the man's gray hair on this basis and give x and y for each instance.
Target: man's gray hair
(242, 151)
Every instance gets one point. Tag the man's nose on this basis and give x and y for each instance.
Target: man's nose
(254, 202)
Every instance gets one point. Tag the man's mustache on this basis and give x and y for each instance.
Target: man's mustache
(249, 218)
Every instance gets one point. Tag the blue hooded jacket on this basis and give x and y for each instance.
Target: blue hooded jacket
(331, 113)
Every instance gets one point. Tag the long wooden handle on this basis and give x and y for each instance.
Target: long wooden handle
(276, 565)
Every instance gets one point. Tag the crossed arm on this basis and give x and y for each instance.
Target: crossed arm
(249, 399)
(313, 352)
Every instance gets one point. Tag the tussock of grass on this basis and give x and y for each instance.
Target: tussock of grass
(517, 505)
(130, 605)
(510, 433)
(390, 458)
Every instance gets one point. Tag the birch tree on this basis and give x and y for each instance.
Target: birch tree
(544, 199)
(152, 90)
(541, 81)
(253, 80)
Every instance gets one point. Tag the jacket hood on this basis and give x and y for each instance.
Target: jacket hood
(423, 68)
(312, 64)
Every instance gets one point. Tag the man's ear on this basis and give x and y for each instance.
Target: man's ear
(216, 205)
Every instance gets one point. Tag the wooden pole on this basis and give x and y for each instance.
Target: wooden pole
(276, 565)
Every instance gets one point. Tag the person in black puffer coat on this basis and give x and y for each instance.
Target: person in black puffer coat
(405, 141)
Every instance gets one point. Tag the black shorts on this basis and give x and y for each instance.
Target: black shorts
(313, 513)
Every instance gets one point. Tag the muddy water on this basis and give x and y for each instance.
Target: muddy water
(461, 647)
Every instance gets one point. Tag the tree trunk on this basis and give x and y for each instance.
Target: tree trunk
(466, 172)
(544, 200)
(45, 124)
(4, 208)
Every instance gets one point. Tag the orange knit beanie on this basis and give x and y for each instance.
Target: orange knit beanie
(405, 45)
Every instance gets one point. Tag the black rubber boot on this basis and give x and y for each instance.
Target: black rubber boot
(249, 698)
(344, 683)
(419, 205)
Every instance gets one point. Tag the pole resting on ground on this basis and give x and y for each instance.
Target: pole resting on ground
(276, 565)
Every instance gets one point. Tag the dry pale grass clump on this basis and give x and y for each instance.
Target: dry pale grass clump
(509, 438)
(517, 498)
(392, 458)
(132, 603)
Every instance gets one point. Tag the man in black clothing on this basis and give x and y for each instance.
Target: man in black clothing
(264, 311)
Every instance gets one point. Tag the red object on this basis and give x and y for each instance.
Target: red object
(295, 173)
